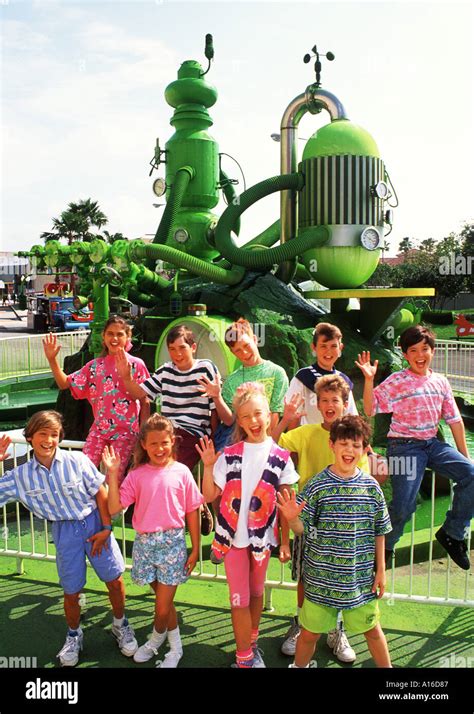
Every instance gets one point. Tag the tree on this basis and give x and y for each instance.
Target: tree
(112, 237)
(405, 245)
(428, 245)
(76, 221)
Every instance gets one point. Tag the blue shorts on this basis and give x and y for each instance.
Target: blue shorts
(70, 539)
(160, 556)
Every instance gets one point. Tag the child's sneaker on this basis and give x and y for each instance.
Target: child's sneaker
(456, 549)
(215, 559)
(145, 652)
(69, 654)
(171, 660)
(289, 645)
(207, 520)
(125, 637)
(339, 644)
(258, 662)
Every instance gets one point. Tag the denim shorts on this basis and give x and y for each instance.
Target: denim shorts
(70, 539)
(160, 556)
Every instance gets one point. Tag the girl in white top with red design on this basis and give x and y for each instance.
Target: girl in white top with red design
(248, 476)
(166, 499)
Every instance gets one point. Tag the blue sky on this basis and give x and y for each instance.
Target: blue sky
(82, 101)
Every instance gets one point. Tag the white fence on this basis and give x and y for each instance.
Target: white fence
(23, 536)
(455, 360)
(24, 355)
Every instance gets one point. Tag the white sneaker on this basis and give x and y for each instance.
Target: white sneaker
(145, 652)
(339, 644)
(125, 637)
(311, 665)
(289, 645)
(171, 660)
(69, 655)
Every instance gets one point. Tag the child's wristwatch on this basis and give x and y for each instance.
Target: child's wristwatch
(107, 528)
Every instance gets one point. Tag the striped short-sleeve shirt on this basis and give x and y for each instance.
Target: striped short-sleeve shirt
(181, 401)
(65, 492)
(341, 519)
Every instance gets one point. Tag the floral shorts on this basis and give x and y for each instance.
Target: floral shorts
(160, 556)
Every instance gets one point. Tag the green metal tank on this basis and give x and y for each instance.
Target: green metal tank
(209, 331)
(342, 166)
(192, 146)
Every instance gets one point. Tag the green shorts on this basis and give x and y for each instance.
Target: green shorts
(320, 618)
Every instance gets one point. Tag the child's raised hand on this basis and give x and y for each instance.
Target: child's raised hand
(207, 452)
(367, 369)
(50, 346)
(287, 505)
(294, 408)
(110, 459)
(5, 442)
(123, 366)
(208, 388)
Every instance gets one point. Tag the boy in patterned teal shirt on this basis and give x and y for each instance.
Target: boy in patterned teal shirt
(343, 515)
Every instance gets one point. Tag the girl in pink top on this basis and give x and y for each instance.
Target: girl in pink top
(166, 499)
(116, 414)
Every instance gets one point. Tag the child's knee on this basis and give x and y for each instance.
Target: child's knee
(307, 637)
(239, 600)
(374, 634)
(115, 585)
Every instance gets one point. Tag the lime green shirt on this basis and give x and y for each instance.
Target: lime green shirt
(271, 375)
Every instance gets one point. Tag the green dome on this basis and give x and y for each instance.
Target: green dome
(341, 137)
(341, 266)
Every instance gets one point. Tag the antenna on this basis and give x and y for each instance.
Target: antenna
(317, 65)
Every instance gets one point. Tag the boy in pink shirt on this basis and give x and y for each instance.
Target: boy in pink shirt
(418, 399)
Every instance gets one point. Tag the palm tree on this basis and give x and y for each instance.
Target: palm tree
(428, 245)
(76, 221)
(112, 237)
(405, 245)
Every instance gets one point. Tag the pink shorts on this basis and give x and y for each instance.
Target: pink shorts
(245, 575)
(123, 445)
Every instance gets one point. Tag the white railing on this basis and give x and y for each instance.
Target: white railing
(455, 359)
(24, 355)
(23, 536)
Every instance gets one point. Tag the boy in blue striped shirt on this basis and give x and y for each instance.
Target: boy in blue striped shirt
(66, 488)
(343, 515)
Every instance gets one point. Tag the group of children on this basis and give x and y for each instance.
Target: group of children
(344, 533)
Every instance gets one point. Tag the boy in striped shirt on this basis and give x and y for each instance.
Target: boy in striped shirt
(176, 383)
(67, 489)
(343, 516)
(418, 399)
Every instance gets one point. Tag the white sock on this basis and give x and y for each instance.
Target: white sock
(118, 621)
(157, 638)
(174, 639)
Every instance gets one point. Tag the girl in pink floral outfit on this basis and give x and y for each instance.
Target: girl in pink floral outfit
(116, 414)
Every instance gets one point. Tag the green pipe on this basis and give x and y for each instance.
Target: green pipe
(266, 238)
(181, 181)
(141, 299)
(230, 194)
(148, 281)
(139, 250)
(258, 259)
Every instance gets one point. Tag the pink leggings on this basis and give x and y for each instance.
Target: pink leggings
(245, 575)
(124, 446)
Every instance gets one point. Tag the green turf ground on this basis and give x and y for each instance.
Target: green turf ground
(32, 623)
